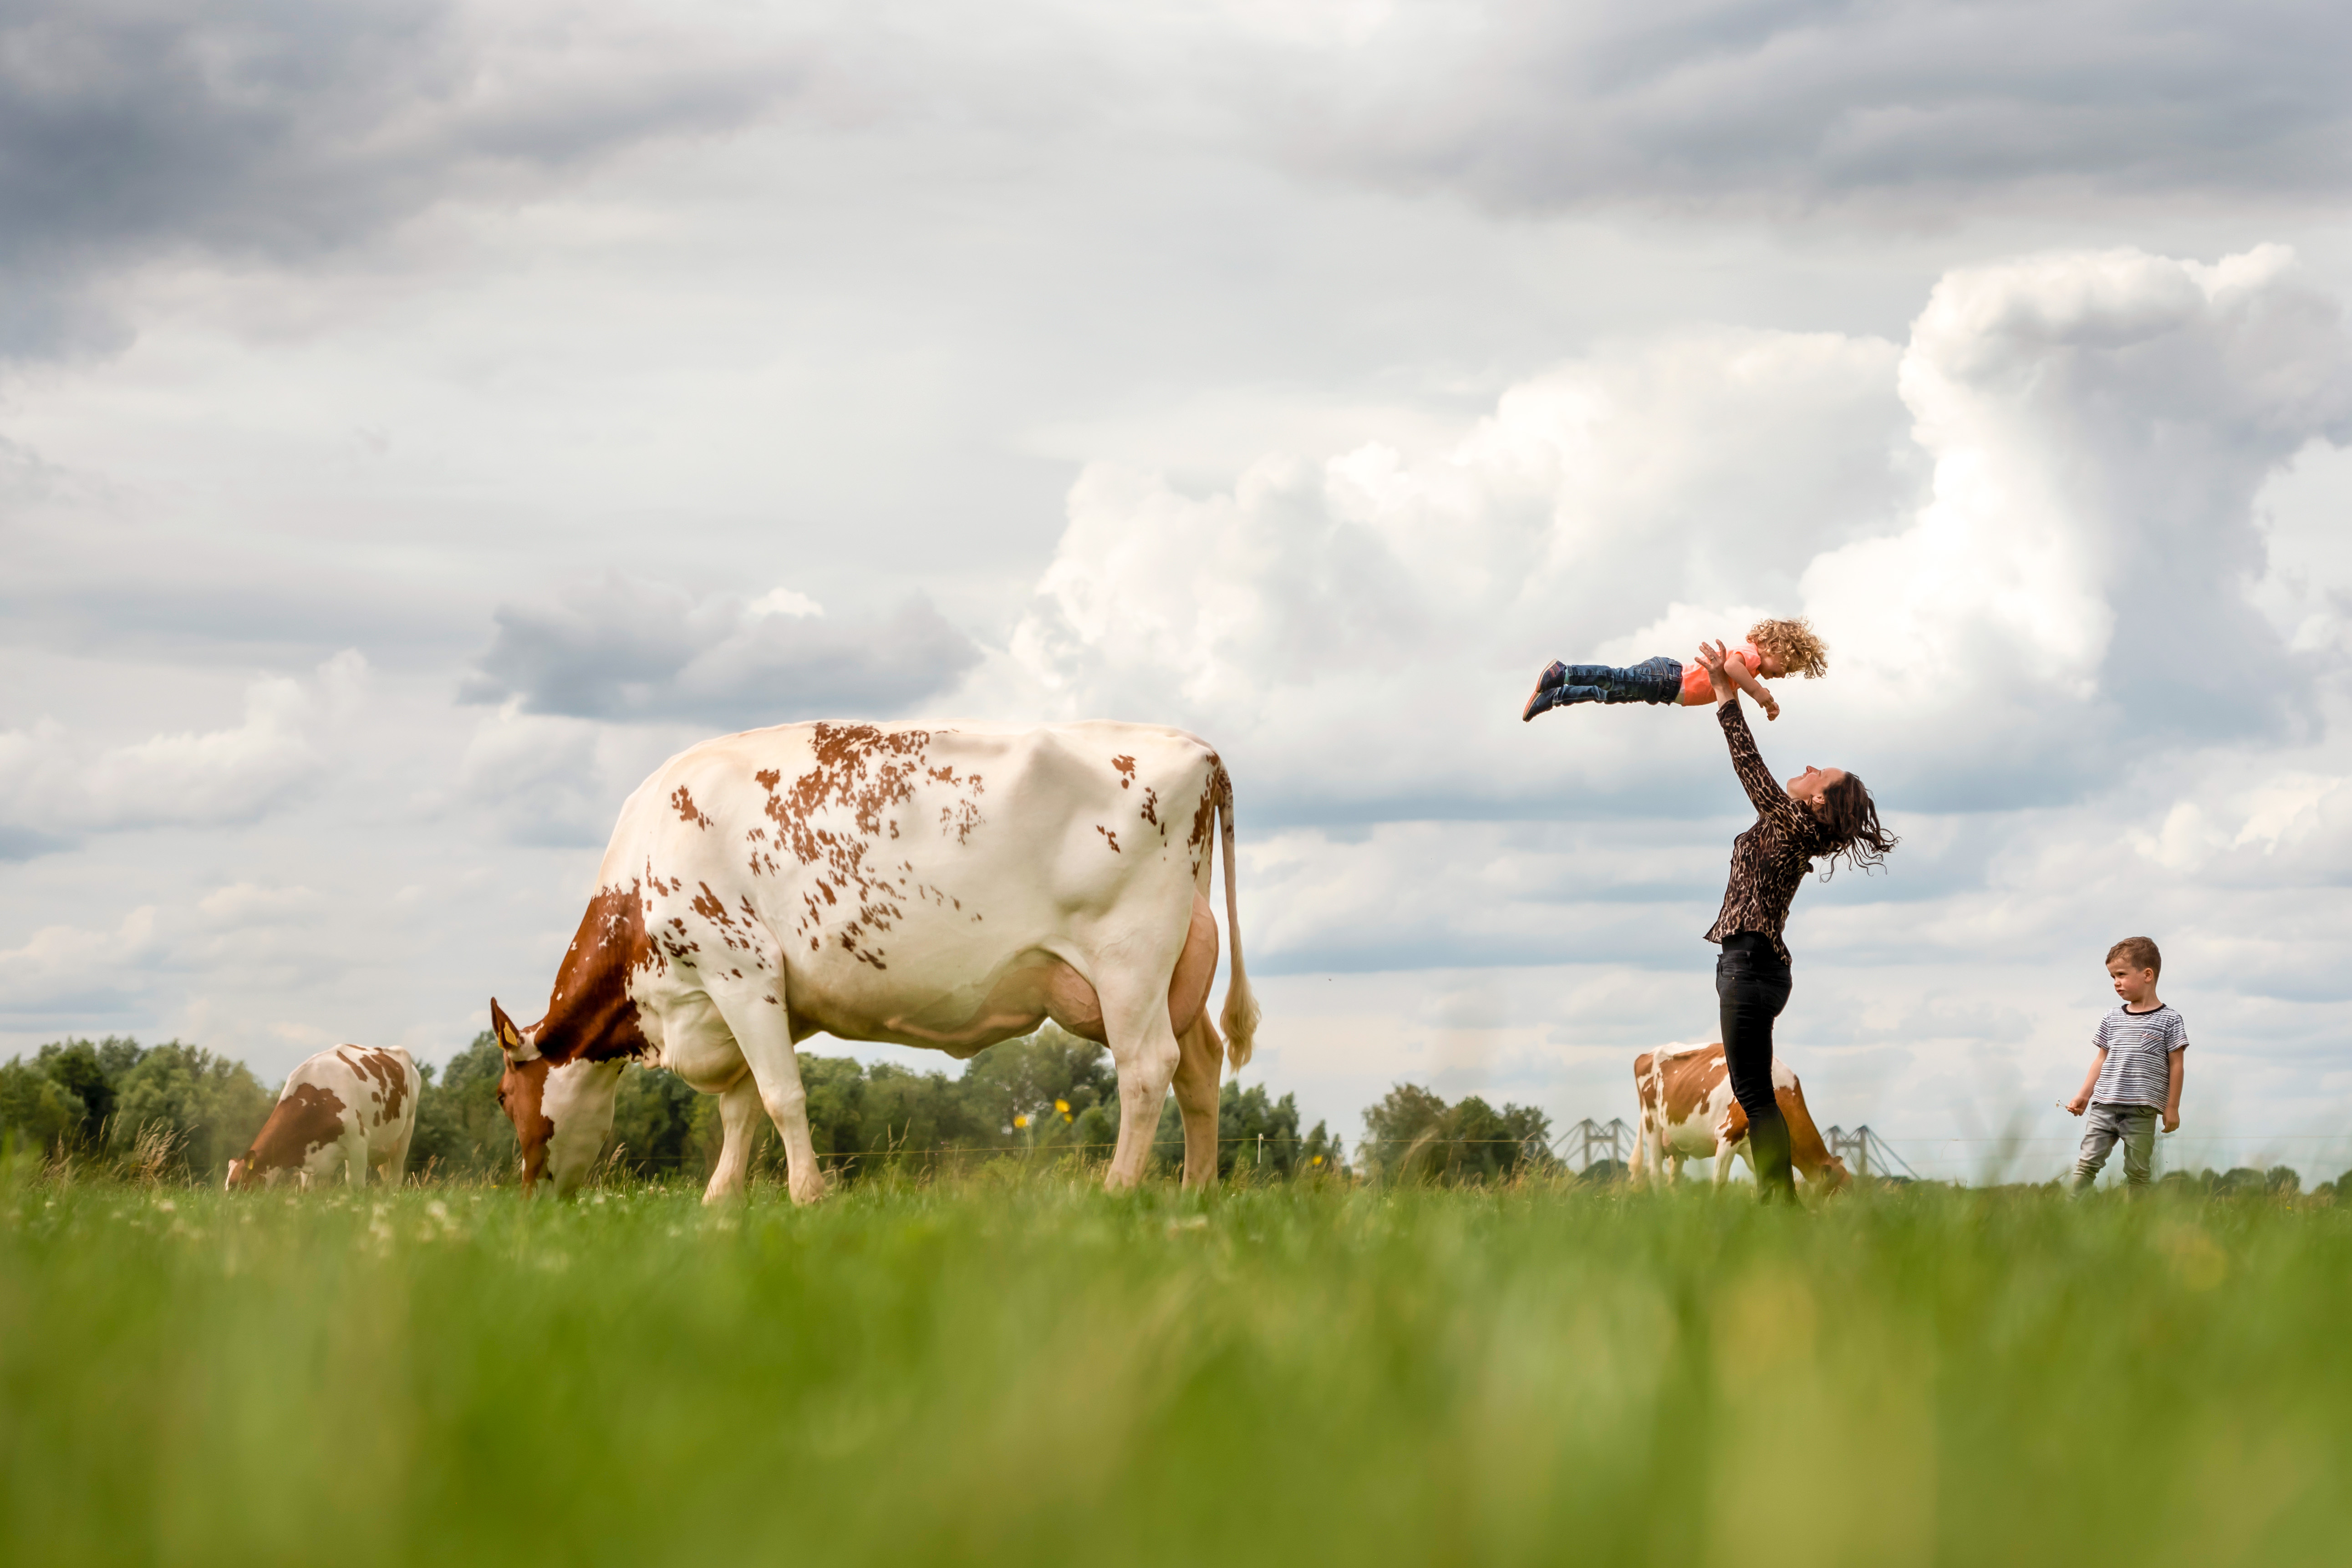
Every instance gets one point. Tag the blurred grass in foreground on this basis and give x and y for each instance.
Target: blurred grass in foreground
(1032, 1372)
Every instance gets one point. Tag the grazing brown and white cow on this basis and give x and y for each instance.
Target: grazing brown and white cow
(946, 886)
(351, 1107)
(1688, 1112)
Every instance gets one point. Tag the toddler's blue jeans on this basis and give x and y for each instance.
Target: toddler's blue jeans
(1652, 680)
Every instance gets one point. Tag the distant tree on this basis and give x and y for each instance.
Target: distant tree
(1035, 1089)
(1322, 1154)
(1397, 1130)
(37, 1111)
(460, 1129)
(98, 1099)
(212, 1106)
(76, 1067)
(2238, 1179)
(2284, 1181)
(653, 1120)
(1413, 1136)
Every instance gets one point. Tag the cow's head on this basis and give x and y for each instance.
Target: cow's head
(561, 1111)
(1831, 1174)
(246, 1172)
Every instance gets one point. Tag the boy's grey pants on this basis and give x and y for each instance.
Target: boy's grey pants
(2134, 1125)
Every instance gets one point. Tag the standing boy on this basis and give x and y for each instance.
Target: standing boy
(2138, 1071)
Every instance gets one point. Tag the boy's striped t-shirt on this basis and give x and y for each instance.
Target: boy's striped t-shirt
(2139, 1047)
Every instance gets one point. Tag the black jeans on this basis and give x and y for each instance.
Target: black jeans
(1751, 987)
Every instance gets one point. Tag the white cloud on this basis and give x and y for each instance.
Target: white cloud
(74, 971)
(55, 784)
(618, 648)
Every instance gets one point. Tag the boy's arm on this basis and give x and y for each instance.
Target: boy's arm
(2081, 1100)
(2178, 1058)
(1745, 678)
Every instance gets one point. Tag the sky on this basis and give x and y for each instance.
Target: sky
(417, 419)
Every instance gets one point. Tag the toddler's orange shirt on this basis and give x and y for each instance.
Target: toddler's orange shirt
(1698, 692)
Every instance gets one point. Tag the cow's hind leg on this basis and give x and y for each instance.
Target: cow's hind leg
(1199, 1062)
(763, 1033)
(395, 1164)
(1143, 1046)
(739, 1112)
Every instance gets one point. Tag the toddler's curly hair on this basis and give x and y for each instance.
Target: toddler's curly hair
(1801, 652)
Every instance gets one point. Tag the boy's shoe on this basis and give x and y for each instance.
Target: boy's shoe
(1554, 676)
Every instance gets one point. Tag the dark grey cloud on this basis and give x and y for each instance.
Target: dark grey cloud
(280, 128)
(617, 648)
(1782, 105)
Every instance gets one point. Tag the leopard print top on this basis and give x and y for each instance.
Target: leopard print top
(1770, 859)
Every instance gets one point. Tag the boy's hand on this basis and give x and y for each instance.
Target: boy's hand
(2077, 1106)
(2172, 1121)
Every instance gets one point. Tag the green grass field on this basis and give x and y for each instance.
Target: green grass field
(1026, 1370)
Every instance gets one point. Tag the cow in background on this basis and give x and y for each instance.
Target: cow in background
(945, 886)
(351, 1107)
(1688, 1112)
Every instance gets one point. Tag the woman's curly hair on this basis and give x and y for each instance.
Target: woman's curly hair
(1849, 820)
(1801, 652)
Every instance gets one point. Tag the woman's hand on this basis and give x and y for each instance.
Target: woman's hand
(1713, 655)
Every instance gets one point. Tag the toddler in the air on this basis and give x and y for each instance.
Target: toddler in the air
(1774, 649)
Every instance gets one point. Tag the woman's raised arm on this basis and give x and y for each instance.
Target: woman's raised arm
(1764, 792)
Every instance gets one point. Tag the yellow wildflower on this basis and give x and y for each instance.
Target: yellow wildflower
(1021, 1121)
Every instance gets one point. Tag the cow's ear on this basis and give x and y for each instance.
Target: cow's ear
(510, 1039)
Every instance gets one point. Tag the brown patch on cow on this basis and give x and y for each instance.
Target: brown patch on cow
(687, 810)
(590, 1017)
(1126, 766)
(1108, 834)
(307, 1118)
(1150, 811)
(862, 772)
(739, 936)
(386, 1071)
(1218, 791)
(522, 1094)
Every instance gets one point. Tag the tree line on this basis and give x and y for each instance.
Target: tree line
(116, 1105)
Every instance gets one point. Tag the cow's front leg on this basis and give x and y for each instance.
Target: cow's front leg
(355, 1158)
(1199, 1062)
(763, 1033)
(738, 1113)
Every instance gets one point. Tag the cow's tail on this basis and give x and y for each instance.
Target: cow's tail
(1241, 1014)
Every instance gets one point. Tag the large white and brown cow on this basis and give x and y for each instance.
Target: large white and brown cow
(1688, 1113)
(946, 886)
(350, 1108)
